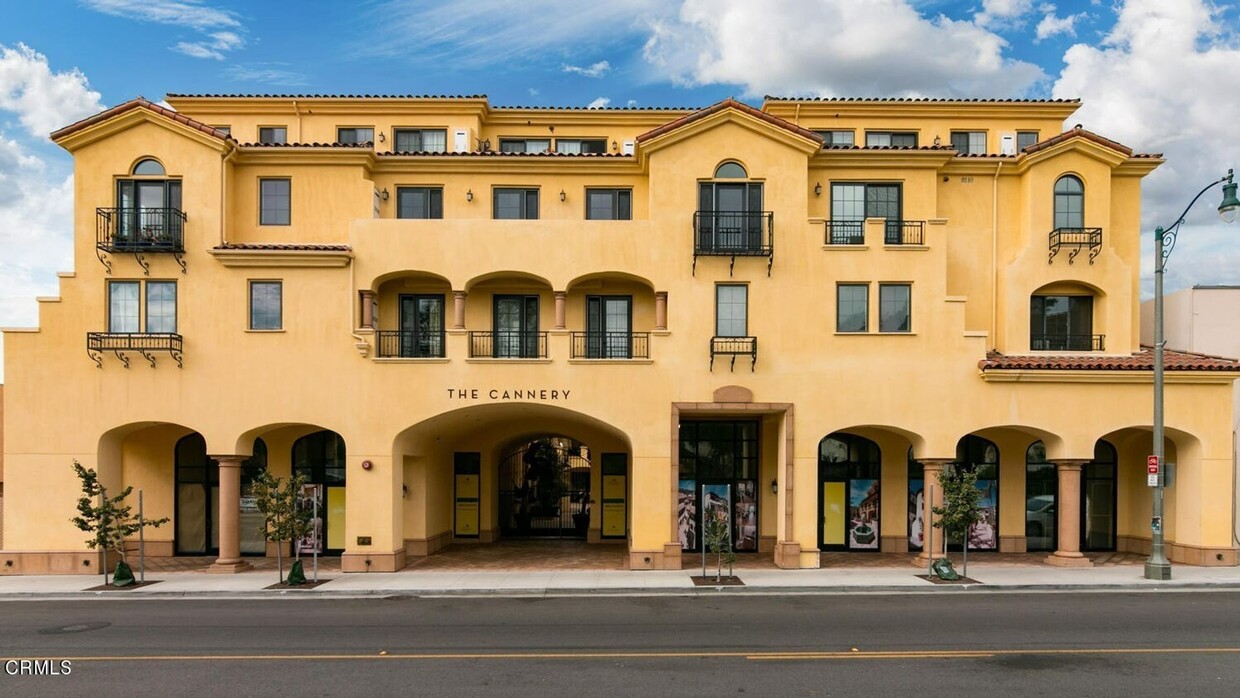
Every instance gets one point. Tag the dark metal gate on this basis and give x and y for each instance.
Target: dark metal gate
(544, 491)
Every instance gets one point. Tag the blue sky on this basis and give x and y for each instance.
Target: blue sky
(1157, 75)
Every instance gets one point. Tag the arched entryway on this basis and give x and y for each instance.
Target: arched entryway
(1097, 500)
(849, 503)
(197, 506)
(544, 489)
(320, 459)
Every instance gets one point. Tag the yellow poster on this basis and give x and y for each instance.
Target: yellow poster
(467, 490)
(613, 505)
(335, 518)
(833, 513)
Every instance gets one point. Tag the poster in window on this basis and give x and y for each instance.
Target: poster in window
(984, 534)
(863, 515)
(313, 541)
(746, 516)
(687, 515)
(916, 514)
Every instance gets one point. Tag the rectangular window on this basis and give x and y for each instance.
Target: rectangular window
(524, 145)
(419, 202)
(1024, 139)
(852, 307)
(577, 146)
(421, 326)
(894, 307)
(273, 134)
(891, 139)
(837, 138)
(858, 201)
(161, 307)
(516, 204)
(266, 305)
(123, 306)
(420, 140)
(731, 310)
(354, 135)
(225, 128)
(274, 201)
(608, 327)
(609, 204)
(969, 142)
(1062, 323)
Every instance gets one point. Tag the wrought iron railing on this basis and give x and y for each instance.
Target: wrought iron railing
(611, 345)
(508, 344)
(410, 344)
(1067, 342)
(727, 233)
(904, 232)
(734, 347)
(140, 229)
(1076, 239)
(845, 233)
(144, 343)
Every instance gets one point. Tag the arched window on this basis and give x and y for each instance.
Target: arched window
(730, 170)
(1069, 203)
(850, 473)
(149, 167)
(1041, 491)
(730, 218)
(982, 457)
(320, 458)
(1098, 499)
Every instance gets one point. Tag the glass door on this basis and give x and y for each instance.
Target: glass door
(516, 327)
(421, 326)
(608, 333)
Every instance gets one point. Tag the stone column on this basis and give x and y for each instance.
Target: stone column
(561, 303)
(368, 308)
(230, 560)
(458, 310)
(1068, 513)
(660, 310)
(933, 469)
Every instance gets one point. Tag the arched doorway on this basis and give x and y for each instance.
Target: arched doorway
(1041, 495)
(849, 477)
(981, 456)
(320, 459)
(1098, 500)
(198, 499)
(544, 489)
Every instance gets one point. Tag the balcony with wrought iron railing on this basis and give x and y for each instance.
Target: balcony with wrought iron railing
(147, 344)
(734, 234)
(140, 231)
(1076, 239)
(1067, 342)
(610, 345)
(409, 344)
(732, 347)
(507, 344)
(895, 232)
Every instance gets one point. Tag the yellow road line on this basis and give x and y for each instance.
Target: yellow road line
(760, 656)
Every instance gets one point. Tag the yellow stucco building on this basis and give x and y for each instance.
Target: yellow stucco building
(467, 323)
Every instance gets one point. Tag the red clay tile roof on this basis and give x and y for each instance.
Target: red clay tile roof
(498, 154)
(362, 145)
(730, 104)
(283, 247)
(1141, 361)
(139, 103)
(1078, 132)
(939, 100)
(176, 95)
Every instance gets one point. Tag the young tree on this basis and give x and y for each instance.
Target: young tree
(108, 520)
(960, 508)
(717, 539)
(282, 518)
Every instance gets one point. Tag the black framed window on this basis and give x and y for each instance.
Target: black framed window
(266, 305)
(161, 307)
(124, 314)
(515, 204)
(420, 140)
(895, 307)
(225, 128)
(419, 202)
(850, 475)
(578, 146)
(609, 323)
(1098, 503)
(525, 145)
(981, 456)
(1041, 495)
(1061, 323)
(837, 138)
(125, 301)
(1069, 202)
(1024, 139)
(421, 325)
(722, 457)
(147, 208)
(852, 307)
(273, 134)
(275, 201)
(969, 142)
(891, 139)
(354, 135)
(731, 310)
(609, 204)
(856, 201)
(516, 327)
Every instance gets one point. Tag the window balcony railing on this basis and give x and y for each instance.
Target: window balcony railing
(845, 233)
(140, 231)
(611, 345)
(734, 347)
(409, 344)
(145, 343)
(1067, 342)
(508, 344)
(734, 234)
(895, 232)
(1076, 239)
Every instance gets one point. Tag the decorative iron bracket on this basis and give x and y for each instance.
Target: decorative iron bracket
(121, 355)
(103, 259)
(180, 258)
(96, 357)
(146, 267)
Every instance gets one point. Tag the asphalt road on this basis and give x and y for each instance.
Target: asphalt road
(983, 644)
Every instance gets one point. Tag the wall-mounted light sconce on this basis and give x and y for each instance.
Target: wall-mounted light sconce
(946, 178)
(384, 194)
(817, 188)
(937, 140)
(563, 196)
(774, 486)
(382, 137)
(404, 491)
(615, 145)
(469, 195)
(367, 465)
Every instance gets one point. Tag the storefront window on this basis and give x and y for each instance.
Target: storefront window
(849, 473)
(719, 468)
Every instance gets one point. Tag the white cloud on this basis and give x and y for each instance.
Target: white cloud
(1051, 24)
(268, 73)
(42, 99)
(216, 24)
(1002, 12)
(779, 47)
(599, 103)
(596, 70)
(1164, 80)
(631, 103)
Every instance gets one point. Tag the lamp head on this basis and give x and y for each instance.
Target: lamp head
(1231, 205)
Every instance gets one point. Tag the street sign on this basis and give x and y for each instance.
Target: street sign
(1151, 479)
(1151, 465)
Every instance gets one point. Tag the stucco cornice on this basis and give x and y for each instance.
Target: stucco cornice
(282, 258)
(107, 128)
(1114, 377)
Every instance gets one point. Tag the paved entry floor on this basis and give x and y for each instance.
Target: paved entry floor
(871, 560)
(199, 563)
(524, 555)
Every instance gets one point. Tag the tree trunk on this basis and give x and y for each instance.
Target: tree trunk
(964, 566)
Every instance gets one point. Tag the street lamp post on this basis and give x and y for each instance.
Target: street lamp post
(1157, 566)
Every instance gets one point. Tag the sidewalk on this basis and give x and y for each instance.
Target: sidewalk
(989, 578)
